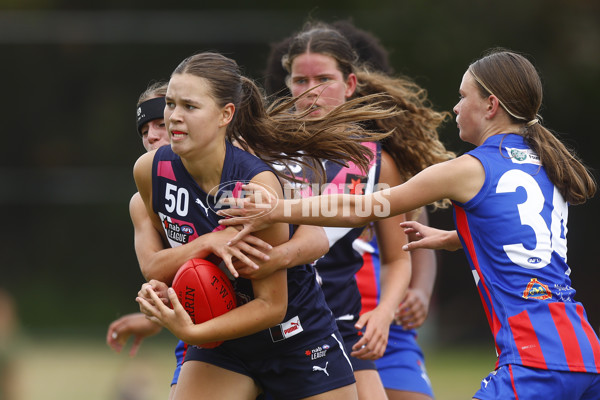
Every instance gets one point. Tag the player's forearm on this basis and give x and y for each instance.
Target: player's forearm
(453, 241)
(329, 210)
(164, 264)
(252, 317)
(245, 320)
(395, 278)
(424, 270)
(308, 244)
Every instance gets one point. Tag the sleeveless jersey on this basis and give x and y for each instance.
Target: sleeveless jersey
(187, 212)
(514, 235)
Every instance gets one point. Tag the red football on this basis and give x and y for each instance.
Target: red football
(204, 290)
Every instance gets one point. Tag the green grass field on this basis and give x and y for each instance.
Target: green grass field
(66, 369)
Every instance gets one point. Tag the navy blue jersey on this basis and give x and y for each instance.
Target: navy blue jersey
(186, 212)
(514, 235)
(337, 268)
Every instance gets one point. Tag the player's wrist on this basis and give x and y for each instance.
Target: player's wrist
(453, 242)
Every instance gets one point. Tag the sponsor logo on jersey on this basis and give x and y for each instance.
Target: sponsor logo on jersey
(286, 329)
(523, 156)
(319, 352)
(322, 369)
(176, 232)
(564, 293)
(537, 290)
(205, 208)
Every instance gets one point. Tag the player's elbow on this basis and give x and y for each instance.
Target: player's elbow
(158, 274)
(321, 243)
(279, 312)
(275, 313)
(357, 220)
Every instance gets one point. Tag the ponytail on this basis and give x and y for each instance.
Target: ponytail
(566, 171)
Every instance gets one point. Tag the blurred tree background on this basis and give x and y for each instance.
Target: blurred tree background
(72, 74)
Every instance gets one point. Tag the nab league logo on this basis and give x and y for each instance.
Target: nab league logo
(175, 231)
(318, 352)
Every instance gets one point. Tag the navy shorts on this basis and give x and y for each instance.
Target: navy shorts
(317, 368)
(352, 335)
(511, 382)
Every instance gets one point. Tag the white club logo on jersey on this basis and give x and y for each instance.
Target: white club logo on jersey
(523, 156)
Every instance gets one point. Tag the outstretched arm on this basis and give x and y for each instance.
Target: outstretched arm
(136, 325)
(459, 179)
(427, 237)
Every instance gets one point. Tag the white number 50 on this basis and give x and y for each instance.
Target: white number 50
(178, 199)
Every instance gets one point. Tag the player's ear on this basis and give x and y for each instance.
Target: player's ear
(351, 82)
(492, 105)
(227, 114)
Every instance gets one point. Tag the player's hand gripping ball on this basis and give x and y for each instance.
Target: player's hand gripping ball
(204, 291)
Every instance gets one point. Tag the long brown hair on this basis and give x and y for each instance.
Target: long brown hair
(516, 83)
(277, 133)
(414, 143)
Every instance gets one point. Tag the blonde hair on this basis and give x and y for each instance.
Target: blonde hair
(156, 89)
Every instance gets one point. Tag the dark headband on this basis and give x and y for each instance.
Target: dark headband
(150, 110)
